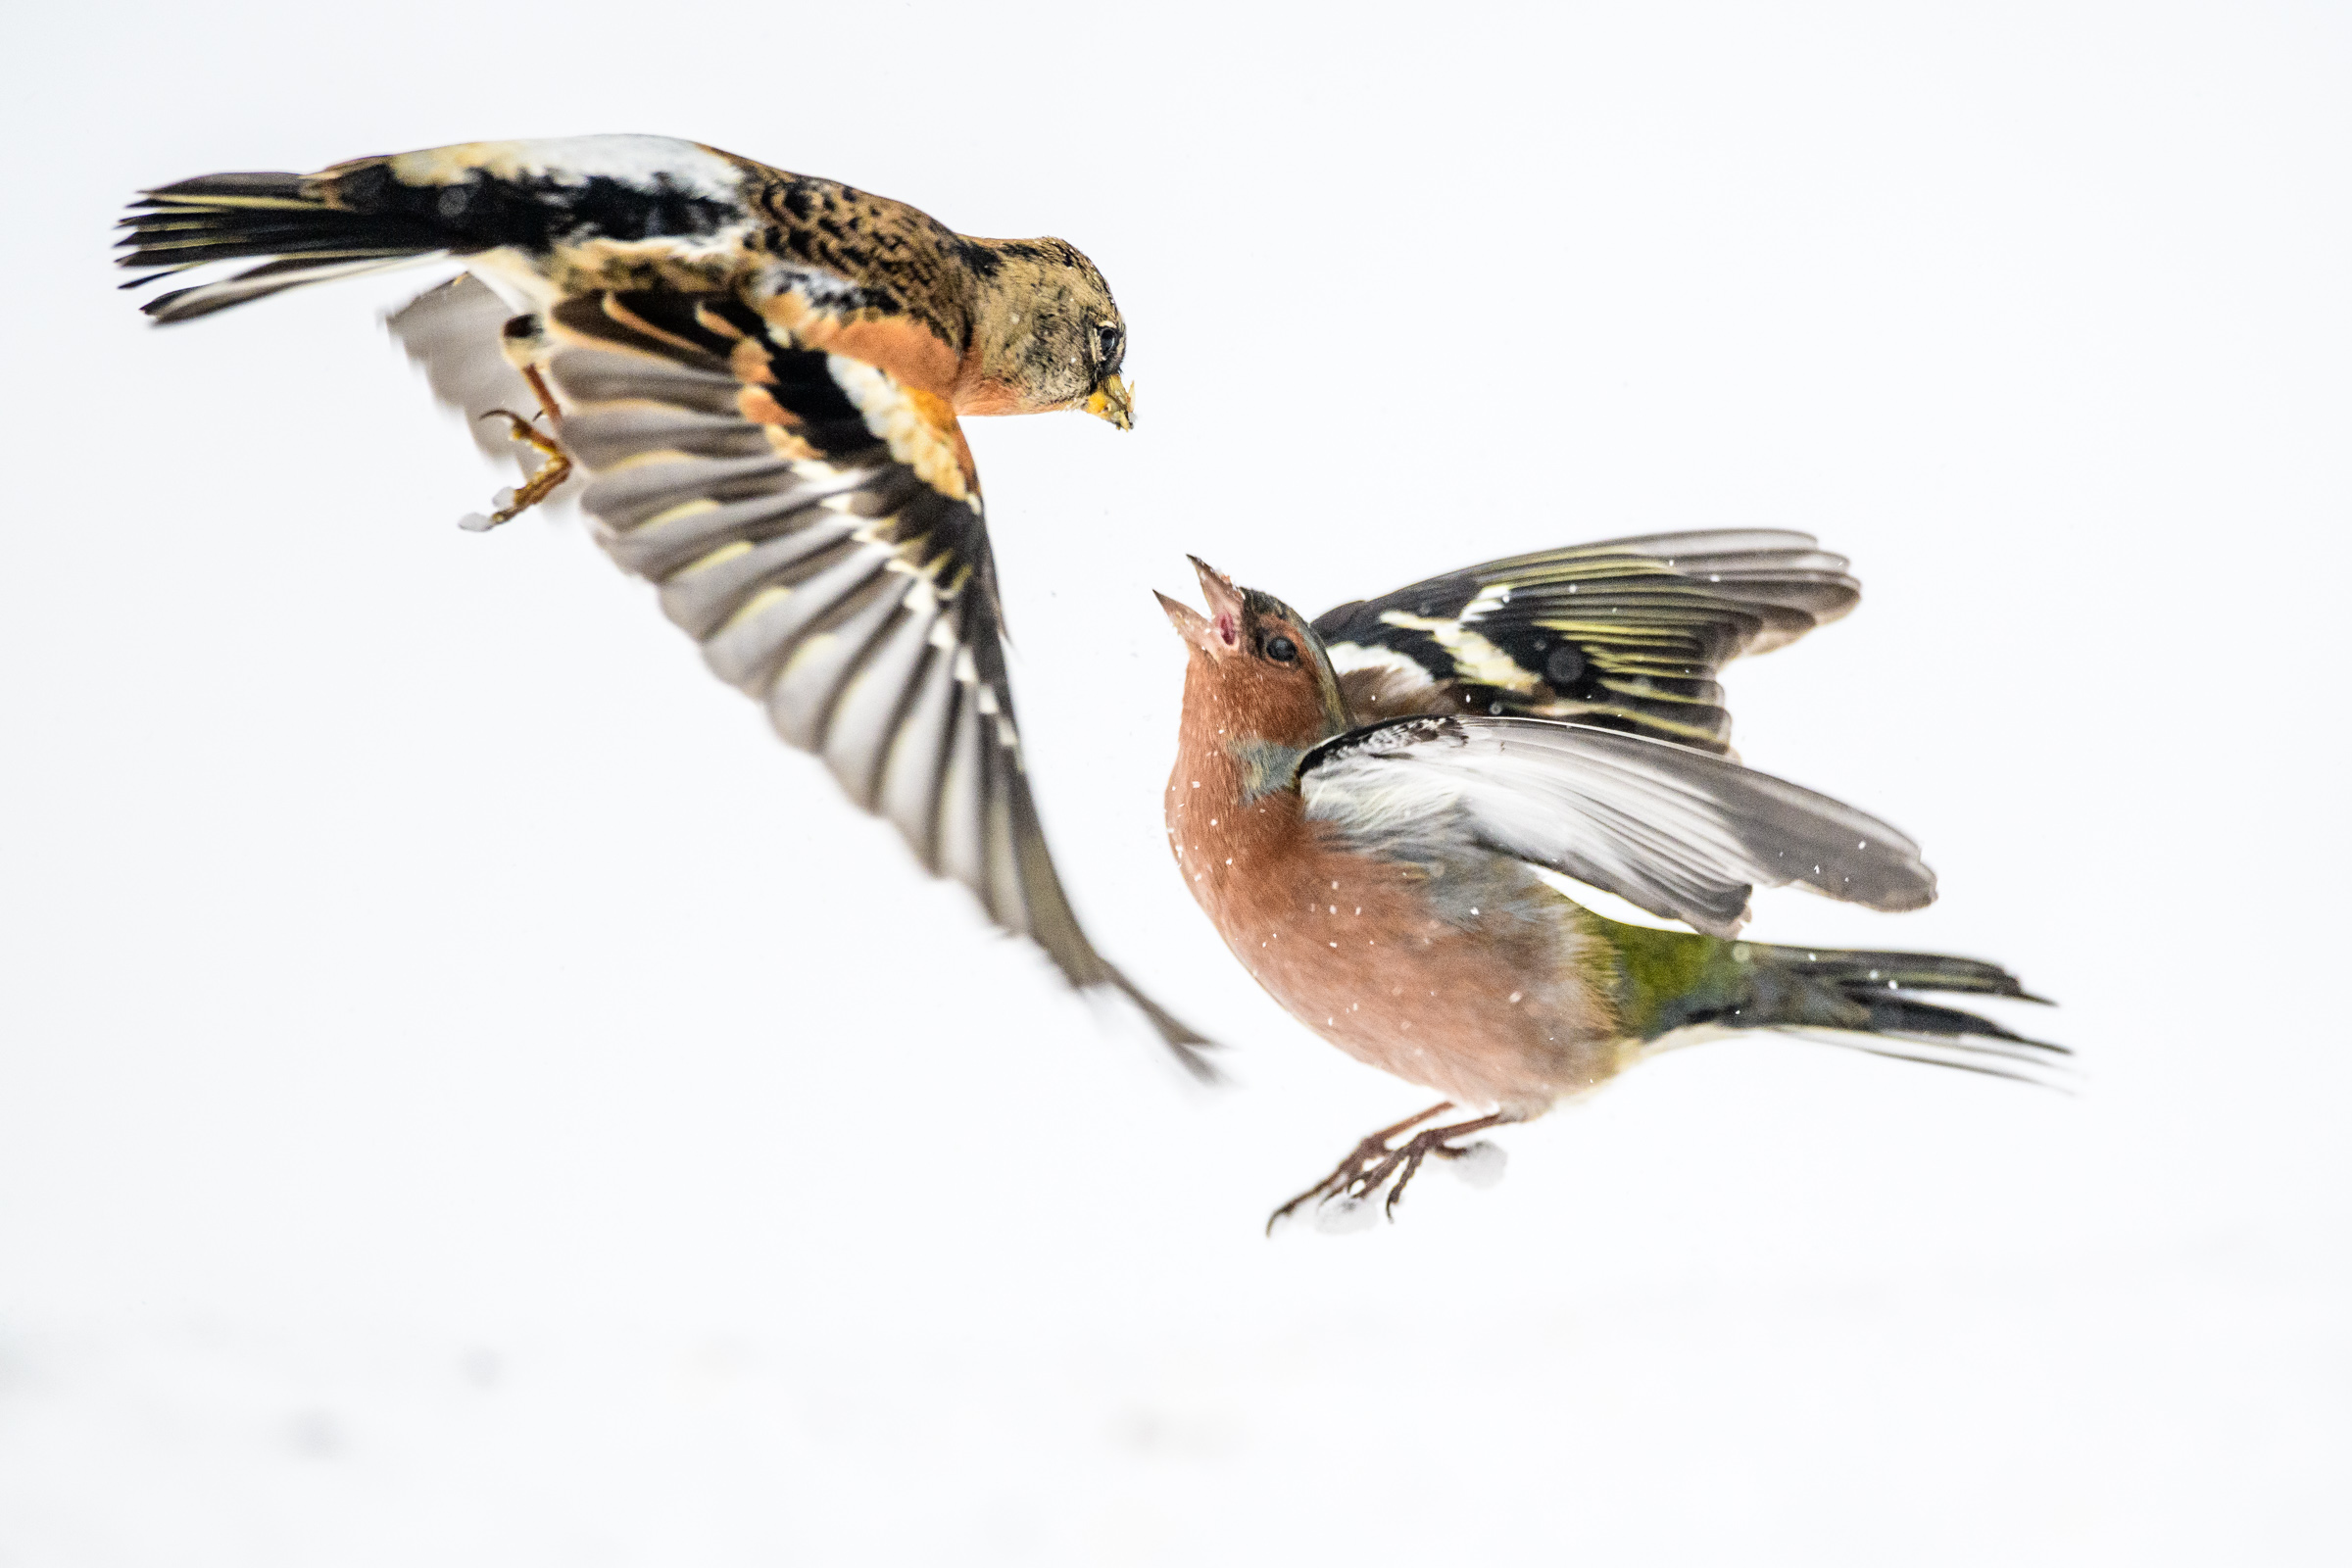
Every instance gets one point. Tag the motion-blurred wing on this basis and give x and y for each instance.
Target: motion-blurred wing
(1626, 634)
(451, 333)
(1680, 832)
(817, 527)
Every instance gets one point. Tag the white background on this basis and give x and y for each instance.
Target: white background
(469, 1096)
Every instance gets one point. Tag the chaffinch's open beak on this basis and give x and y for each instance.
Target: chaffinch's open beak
(1220, 630)
(1111, 400)
(1190, 625)
(1224, 599)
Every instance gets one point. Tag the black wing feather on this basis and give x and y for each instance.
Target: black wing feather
(824, 577)
(1627, 634)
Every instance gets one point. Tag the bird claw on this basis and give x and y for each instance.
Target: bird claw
(513, 504)
(1342, 1199)
(1360, 1160)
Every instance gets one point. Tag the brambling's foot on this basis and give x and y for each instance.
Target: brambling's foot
(513, 504)
(1342, 1199)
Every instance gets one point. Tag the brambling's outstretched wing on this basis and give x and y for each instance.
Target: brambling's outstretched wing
(816, 525)
(1681, 832)
(1625, 634)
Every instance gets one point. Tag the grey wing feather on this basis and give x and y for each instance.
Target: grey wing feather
(451, 333)
(1679, 832)
(854, 603)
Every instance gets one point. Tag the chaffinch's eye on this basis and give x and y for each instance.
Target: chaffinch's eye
(1282, 649)
(1106, 345)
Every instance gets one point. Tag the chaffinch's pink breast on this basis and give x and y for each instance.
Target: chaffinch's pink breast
(1482, 1005)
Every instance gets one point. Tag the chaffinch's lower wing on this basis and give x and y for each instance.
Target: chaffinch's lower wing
(1625, 634)
(817, 527)
(1680, 832)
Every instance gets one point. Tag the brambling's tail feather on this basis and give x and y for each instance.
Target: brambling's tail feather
(280, 218)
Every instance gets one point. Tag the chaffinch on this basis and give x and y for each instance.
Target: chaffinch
(765, 371)
(1382, 879)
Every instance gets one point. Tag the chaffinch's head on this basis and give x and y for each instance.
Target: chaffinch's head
(1257, 664)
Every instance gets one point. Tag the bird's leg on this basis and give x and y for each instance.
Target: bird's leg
(549, 474)
(1373, 1150)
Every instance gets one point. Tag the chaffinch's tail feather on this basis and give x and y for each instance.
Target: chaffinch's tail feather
(1863, 1001)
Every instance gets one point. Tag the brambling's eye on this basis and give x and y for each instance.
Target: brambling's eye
(1282, 649)
(1106, 345)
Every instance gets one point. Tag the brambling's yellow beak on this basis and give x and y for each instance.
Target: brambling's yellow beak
(1112, 400)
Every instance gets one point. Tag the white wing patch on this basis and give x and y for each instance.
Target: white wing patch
(1679, 832)
(1479, 662)
(641, 162)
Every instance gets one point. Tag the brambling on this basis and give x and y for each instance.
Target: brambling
(765, 372)
(1383, 882)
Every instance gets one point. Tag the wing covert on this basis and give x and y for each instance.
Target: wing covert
(1678, 831)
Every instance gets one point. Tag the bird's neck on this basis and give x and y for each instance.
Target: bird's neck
(1218, 764)
(1233, 797)
(1249, 735)
(1232, 810)
(1001, 354)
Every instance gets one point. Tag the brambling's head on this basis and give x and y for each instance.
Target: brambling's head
(1047, 332)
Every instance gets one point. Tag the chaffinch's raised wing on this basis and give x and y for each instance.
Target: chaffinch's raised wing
(1624, 635)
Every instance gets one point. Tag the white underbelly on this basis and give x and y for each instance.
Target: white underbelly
(514, 278)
